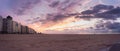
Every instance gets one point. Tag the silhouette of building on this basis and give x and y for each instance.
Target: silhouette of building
(1, 24)
(23, 29)
(16, 27)
(7, 25)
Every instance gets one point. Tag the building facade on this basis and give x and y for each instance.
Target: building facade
(7, 25)
(1, 24)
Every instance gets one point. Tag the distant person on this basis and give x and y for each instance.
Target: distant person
(115, 47)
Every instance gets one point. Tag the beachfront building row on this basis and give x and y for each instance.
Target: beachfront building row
(7, 25)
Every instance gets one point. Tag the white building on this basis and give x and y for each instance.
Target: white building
(23, 29)
(9, 26)
(19, 28)
(15, 27)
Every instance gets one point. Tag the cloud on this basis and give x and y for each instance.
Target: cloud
(107, 14)
(66, 5)
(101, 11)
(58, 17)
(98, 8)
(102, 7)
(56, 11)
(54, 4)
(20, 6)
(53, 17)
(62, 9)
(110, 26)
(114, 11)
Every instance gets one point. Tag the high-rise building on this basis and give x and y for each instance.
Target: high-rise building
(1, 24)
(15, 27)
(19, 28)
(7, 25)
(4, 29)
(23, 29)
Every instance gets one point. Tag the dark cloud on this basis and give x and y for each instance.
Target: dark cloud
(107, 13)
(49, 17)
(64, 5)
(20, 7)
(112, 26)
(54, 17)
(101, 11)
(98, 8)
(114, 11)
(89, 12)
(107, 16)
(63, 9)
(59, 17)
(35, 20)
(111, 14)
(54, 4)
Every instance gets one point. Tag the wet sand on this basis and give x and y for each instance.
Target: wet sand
(31, 42)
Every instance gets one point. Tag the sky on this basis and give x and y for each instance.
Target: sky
(65, 16)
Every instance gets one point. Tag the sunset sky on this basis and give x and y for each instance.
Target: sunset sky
(65, 16)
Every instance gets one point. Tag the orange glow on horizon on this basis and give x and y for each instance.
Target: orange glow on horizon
(70, 23)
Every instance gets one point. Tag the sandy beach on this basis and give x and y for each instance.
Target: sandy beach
(59, 42)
